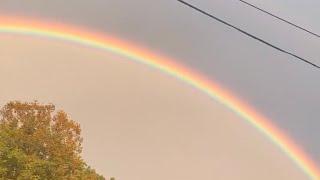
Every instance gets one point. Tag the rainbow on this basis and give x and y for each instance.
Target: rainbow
(20, 26)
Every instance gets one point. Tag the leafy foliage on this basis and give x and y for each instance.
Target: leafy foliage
(38, 143)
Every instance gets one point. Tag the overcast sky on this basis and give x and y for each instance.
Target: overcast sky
(138, 123)
(279, 86)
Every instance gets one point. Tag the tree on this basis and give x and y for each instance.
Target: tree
(37, 142)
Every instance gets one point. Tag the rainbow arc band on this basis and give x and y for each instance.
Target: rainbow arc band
(30, 27)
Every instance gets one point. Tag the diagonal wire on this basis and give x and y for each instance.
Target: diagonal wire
(280, 18)
(248, 34)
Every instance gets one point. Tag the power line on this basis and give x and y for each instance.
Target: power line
(248, 34)
(279, 18)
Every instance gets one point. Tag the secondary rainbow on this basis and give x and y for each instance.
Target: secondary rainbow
(20, 26)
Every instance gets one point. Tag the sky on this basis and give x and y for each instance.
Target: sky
(281, 88)
(138, 123)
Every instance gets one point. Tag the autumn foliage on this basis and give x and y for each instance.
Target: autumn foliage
(37, 142)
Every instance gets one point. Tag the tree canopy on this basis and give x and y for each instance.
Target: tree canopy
(38, 142)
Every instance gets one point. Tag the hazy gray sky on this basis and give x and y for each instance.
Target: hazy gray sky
(139, 123)
(278, 86)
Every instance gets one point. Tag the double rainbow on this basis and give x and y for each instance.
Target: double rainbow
(10, 25)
